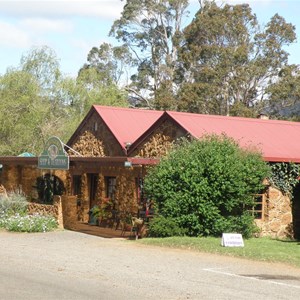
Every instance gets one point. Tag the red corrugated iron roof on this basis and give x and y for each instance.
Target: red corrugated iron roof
(277, 140)
(127, 124)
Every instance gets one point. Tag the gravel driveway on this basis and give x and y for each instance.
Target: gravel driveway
(72, 265)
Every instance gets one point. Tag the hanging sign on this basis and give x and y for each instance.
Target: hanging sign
(54, 156)
(232, 240)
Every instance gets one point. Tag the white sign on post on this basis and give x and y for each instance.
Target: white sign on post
(232, 240)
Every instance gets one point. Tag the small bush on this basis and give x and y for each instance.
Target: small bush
(30, 223)
(243, 224)
(164, 227)
(14, 215)
(3, 217)
(14, 203)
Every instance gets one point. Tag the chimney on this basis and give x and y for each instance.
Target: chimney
(263, 116)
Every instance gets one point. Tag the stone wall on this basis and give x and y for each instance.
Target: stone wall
(126, 198)
(69, 211)
(278, 217)
(23, 178)
(54, 210)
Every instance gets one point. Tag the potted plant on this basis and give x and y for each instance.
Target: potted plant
(94, 214)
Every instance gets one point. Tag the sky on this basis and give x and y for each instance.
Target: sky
(72, 27)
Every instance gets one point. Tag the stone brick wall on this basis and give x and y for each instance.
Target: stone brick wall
(69, 211)
(24, 178)
(278, 218)
(126, 198)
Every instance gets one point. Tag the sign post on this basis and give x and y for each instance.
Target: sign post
(54, 157)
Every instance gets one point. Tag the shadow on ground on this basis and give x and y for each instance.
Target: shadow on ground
(104, 232)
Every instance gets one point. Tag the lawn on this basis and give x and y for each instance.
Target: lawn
(263, 249)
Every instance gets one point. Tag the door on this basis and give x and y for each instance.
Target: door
(93, 184)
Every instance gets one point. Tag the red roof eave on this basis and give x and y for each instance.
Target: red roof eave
(143, 161)
(282, 159)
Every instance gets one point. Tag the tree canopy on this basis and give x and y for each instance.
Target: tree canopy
(152, 30)
(38, 102)
(220, 61)
(230, 59)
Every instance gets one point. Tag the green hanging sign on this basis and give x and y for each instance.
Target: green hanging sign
(54, 156)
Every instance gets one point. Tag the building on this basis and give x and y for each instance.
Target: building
(112, 147)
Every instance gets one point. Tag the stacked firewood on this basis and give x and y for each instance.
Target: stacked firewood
(89, 146)
(3, 192)
(42, 209)
(157, 146)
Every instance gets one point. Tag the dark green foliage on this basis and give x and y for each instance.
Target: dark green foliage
(285, 177)
(164, 227)
(206, 184)
(230, 59)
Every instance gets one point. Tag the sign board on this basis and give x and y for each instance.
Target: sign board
(127, 164)
(232, 240)
(54, 156)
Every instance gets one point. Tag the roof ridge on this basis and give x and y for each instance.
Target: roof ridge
(126, 108)
(235, 118)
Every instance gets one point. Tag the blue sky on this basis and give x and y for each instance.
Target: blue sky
(72, 27)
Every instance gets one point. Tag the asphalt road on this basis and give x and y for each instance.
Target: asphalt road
(70, 265)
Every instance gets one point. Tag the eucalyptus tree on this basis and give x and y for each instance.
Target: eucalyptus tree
(284, 99)
(111, 63)
(152, 29)
(228, 59)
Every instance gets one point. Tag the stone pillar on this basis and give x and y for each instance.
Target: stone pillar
(69, 211)
(58, 207)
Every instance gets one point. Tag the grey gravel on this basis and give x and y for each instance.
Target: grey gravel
(72, 265)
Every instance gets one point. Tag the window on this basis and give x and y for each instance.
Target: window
(93, 186)
(110, 187)
(76, 185)
(258, 210)
(47, 186)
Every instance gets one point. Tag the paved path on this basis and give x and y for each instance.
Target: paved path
(71, 265)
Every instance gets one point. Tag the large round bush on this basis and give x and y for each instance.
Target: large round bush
(207, 185)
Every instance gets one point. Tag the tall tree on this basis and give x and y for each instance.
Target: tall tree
(284, 99)
(43, 64)
(112, 64)
(32, 107)
(227, 60)
(20, 113)
(152, 29)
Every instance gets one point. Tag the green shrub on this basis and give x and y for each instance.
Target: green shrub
(14, 215)
(164, 227)
(30, 223)
(14, 203)
(205, 185)
(238, 224)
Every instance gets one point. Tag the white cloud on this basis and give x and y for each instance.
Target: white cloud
(12, 36)
(46, 25)
(106, 9)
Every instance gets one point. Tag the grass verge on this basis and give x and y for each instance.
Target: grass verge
(261, 249)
